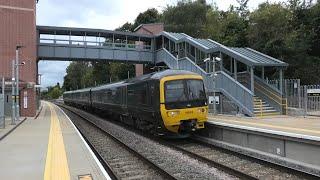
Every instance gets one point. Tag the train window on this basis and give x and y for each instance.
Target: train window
(195, 90)
(175, 91)
(141, 94)
(137, 94)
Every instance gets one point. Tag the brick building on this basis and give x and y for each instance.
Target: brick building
(18, 27)
(150, 29)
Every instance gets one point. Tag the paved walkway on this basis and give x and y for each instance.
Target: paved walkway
(309, 125)
(48, 147)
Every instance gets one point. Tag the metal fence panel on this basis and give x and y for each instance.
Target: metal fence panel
(298, 97)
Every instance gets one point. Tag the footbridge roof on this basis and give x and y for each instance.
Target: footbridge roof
(245, 55)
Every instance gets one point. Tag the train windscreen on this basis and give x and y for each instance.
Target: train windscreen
(184, 93)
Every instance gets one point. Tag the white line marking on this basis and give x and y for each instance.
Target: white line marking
(104, 172)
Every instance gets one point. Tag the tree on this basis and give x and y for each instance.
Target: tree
(187, 16)
(53, 92)
(125, 27)
(149, 16)
(75, 72)
(268, 29)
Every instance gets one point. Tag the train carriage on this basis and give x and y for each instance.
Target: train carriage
(163, 103)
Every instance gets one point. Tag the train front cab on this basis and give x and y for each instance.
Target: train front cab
(183, 112)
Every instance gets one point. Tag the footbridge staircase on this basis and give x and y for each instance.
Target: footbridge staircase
(251, 94)
(239, 75)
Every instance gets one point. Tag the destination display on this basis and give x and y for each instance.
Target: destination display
(313, 92)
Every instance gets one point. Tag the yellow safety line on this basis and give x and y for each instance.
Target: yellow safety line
(56, 161)
(268, 125)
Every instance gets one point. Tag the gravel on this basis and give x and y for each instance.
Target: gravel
(255, 168)
(174, 162)
(123, 163)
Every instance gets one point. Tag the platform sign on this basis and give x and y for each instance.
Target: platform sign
(25, 100)
(313, 92)
(214, 98)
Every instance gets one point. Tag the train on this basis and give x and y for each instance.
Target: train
(166, 103)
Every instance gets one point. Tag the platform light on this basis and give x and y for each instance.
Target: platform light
(217, 59)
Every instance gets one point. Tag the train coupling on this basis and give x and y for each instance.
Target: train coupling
(187, 126)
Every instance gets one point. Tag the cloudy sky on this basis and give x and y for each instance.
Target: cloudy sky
(103, 14)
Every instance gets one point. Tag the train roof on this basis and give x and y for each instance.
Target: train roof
(112, 85)
(155, 75)
(159, 75)
(79, 90)
(171, 72)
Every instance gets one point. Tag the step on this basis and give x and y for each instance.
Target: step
(267, 110)
(263, 108)
(258, 104)
(267, 114)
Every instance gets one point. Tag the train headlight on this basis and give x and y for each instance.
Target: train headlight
(172, 113)
(201, 110)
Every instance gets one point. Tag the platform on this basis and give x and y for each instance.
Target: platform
(308, 126)
(49, 147)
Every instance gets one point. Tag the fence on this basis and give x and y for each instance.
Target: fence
(306, 97)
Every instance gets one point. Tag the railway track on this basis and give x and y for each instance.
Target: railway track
(234, 164)
(237, 164)
(121, 161)
(174, 164)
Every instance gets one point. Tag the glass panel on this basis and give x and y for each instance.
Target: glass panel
(175, 91)
(185, 93)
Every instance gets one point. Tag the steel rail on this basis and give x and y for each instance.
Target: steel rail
(163, 173)
(234, 171)
(210, 162)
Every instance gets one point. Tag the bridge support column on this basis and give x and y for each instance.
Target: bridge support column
(235, 69)
(231, 60)
(281, 81)
(262, 73)
(252, 78)
(221, 62)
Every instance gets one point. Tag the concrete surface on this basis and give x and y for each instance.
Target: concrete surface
(309, 125)
(23, 152)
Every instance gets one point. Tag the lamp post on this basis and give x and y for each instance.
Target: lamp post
(213, 75)
(2, 116)
(17, 82)
(13, 97)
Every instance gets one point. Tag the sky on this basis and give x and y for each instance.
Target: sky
(99, 14)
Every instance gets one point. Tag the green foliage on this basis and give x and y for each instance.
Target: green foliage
(52, 93)
(187, 16)
(269, 28)
(74, 78)
(149, 16)
(288, 31)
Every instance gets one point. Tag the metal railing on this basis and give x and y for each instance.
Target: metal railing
(271, 94)
(240, 94)
(163, 55)
(93, 44)
(225, 84)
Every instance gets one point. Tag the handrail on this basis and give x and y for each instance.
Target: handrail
(238, 83)
(233, 89)
(262, 90)
(261, 108)
(268, 85)
(85, 43)
(282, 102)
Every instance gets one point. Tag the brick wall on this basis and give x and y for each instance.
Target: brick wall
(18, 27)
(151, 29)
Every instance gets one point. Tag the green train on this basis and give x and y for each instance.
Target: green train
(170, 102)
